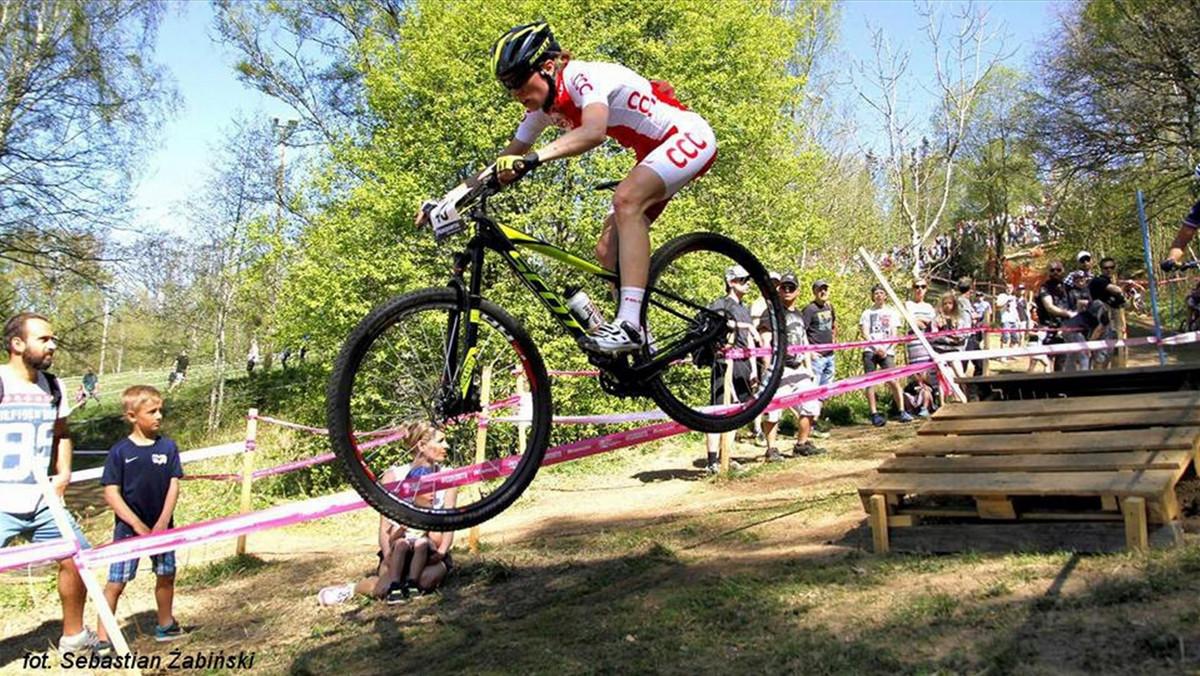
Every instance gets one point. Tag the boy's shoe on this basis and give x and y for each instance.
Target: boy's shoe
(924, 412)
(614, 338)
(338, 593)
(760, 439)
(807, 449)
(397, 593)
(878, 420)
(84, 641)
(773, 455)
(102, 648)
(818, 434)
(170, 632)
(906, 417)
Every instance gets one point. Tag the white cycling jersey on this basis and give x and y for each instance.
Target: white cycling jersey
(644, 116)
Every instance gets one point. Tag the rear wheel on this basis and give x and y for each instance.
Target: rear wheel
(687, 274)
(389, 379)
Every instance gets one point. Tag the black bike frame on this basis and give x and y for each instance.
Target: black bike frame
(506, 241)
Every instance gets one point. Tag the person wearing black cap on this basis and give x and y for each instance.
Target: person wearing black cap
(880, 323)
(797, 377)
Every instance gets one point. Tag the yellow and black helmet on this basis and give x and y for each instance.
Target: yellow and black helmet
(519, 52)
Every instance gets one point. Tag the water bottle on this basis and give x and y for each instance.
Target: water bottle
(584, 309)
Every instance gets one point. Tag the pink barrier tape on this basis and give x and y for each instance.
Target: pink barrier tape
(317, 508)
(1068, 348)
(218, 529)
(743, 353)
(39, 552)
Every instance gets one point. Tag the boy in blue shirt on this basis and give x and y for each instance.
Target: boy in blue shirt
(141, 484)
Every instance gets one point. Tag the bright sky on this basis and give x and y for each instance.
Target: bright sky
(212, 96)
(1024, 24)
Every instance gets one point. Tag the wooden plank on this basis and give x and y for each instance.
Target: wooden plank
(1152, 401)
(879, 524)
(995, 507)
(1150, 439)
(1061, 462)
(1136, 535)
(1142, 483)
(1063, 423)
(1017, 537)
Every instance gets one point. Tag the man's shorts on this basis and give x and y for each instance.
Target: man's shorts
(873, 362)
(124, 571)
(793, 382)
(38, 525)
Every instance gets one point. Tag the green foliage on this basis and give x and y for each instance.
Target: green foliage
(436, 115)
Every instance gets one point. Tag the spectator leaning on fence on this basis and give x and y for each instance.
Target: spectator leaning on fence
(1053, 306)
(141, 484)
(797, 377)
(879, 323)
(33, 417)
(949, 317)
(1102, 359)
(1092, 320)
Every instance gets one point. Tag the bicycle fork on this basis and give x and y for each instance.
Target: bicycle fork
(459, 384)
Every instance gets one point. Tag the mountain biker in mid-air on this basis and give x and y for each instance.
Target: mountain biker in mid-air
(591, 101)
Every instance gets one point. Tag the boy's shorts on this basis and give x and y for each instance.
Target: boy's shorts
(124, 571)
(38, 525)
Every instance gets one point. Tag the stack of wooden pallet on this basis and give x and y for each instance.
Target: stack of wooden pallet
(1040, 473)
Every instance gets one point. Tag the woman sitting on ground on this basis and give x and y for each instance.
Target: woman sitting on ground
(408, 560)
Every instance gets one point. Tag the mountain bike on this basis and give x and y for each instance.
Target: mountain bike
(424, 355)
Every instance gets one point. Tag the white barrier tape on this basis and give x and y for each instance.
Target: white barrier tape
(232, 448)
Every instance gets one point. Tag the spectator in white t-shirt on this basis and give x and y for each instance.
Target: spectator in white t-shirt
(1010, 319)
(877, 323)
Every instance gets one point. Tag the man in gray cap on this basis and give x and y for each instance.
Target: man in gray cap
(797, 376)
(737, 283)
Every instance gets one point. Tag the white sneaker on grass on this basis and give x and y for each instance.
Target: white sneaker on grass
(84, 641)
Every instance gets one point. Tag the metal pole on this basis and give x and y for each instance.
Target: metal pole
(1162, 353)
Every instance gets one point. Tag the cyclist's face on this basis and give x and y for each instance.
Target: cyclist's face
(532, 94)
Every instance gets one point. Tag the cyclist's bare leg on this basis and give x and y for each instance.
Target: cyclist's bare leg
(640, 190)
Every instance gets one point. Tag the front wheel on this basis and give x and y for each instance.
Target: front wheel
(687, 280)
(390, 394)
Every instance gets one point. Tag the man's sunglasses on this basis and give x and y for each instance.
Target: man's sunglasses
(1108, 267)
(1056, 269)
(788, 288)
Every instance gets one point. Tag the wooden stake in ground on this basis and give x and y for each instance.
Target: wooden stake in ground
(485, 397)
(248, 470)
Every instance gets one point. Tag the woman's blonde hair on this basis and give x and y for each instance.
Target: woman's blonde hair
(950, 295)
(416, 434)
